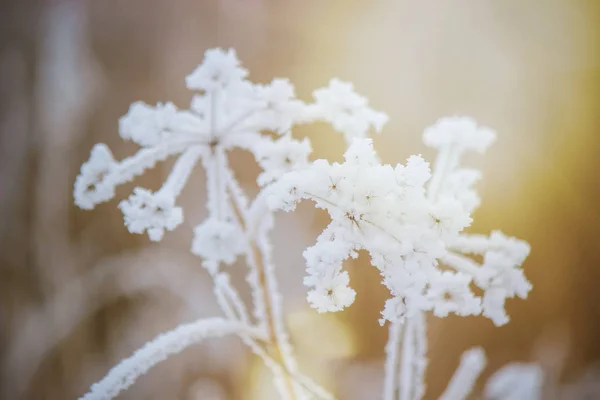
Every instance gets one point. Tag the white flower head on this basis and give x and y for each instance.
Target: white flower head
(449, 292)
(218, 241)
(500, 275)
(407, 287)
(369, 205)
(152, 213)
(347, 111)
(389, 212)
(448, 217)
(461, 133)
(332, 294)
(278, 106)
(146, 125)
(415, 173)
(220, 69)
(280, 156)
(95, 184)
(502, 279)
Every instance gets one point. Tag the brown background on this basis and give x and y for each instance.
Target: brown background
(78, 292)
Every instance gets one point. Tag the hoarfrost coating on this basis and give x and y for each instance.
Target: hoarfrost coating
(409, 217)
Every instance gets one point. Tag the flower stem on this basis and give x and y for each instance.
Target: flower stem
(266, 285)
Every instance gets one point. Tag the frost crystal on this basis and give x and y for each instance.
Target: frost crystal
(278, 157)
(347, 111)
(218, 241)
(410, 221)
(219, 70)
(146, 125)
(145, 211)
(461, 133)
(332, 293)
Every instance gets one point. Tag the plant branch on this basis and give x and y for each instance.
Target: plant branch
(270, 304)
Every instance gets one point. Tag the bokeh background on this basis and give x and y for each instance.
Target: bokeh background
(78, 292)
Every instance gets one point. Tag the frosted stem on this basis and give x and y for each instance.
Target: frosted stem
(461, 385)
(181, 171)
(445, 163)
(461, 263)
(392, 350)
(407, 362)
(420, 355)
(414, 360)
(164, 345)
(146, 158)
(266, 297)
(215, 165)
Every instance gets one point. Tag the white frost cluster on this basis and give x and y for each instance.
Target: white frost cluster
(218, 242)
(461, 133)
(228, 112)
(409, 217)
(347, 111)
(149, 212)
(146, 125)
(410, 220)
(280, 156)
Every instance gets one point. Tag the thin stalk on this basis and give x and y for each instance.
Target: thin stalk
(407, 362)
(264, 282)
(392, 349)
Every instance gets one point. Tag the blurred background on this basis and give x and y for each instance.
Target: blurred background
(78, 292)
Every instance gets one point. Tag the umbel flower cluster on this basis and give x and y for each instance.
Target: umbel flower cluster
(410, 222)
(410, 218)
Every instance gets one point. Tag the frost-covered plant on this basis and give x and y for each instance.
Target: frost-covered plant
(409, 218)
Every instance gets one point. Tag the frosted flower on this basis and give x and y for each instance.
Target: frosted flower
(96, 183)
(505, 273)
(409, 220)
(369, 208)
(347, 111)
(449, 293)
(458, 132)
(448, 217)
(332, 294)
(230, 112)
(146, 125)
(503, 279)
(149, 212)
(278, 157)
(218, 241)
(415, 174)
(406, 286)
(219, 69)
(278, 106)
(395, 309)
(500, 275)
